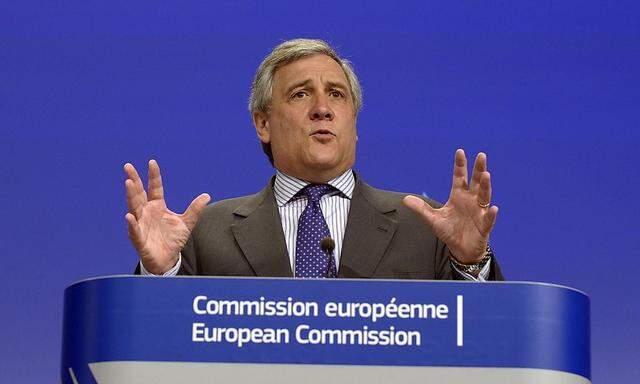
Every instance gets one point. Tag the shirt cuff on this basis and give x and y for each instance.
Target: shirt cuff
(483, 275)
(172, 272)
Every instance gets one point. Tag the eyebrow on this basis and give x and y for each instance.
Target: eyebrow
(337, 84)
(298, 84)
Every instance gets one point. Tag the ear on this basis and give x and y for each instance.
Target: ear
(261, 122)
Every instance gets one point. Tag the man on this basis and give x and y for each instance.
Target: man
(304, 103)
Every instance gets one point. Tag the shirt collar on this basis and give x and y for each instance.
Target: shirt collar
(286, 187)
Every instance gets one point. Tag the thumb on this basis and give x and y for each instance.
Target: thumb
(421, 208)
(191, 215)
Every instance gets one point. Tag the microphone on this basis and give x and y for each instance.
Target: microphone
(328, 245)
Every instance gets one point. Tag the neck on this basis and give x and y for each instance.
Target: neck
(314, 176)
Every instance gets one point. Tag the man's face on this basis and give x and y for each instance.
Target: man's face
(311, 122)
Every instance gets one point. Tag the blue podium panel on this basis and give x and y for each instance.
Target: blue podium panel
(157, 330)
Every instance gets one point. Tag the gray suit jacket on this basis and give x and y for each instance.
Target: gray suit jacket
(383, 239)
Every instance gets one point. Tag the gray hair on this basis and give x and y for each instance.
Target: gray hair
(288, 52)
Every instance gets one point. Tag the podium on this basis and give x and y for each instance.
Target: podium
(134, 329)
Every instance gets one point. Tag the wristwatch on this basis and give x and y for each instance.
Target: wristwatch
(475, 267)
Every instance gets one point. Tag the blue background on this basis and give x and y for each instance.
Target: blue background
(549, 90)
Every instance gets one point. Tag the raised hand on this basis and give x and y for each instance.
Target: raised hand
(466, 220)
(157, 233)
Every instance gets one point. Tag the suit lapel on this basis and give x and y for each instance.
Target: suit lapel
(368, 233)
(258, 231)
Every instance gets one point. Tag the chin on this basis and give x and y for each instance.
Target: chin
(323, 161)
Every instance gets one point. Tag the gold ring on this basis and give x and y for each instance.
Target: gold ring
(484, 205)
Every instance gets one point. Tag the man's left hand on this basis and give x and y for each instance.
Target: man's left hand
(466, 220)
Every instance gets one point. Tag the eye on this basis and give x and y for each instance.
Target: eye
(299, 95)
(337, 94)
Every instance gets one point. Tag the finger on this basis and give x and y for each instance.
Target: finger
(479, 167)
(132, 174)
(156, 192)
(135, 234)
(489, 220)
(421, 208)
(191, 215)
(484, 191)
(135, 199)
(460, 170)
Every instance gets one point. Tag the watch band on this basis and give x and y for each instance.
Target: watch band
(475, 267)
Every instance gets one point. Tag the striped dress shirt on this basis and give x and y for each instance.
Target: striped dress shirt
(335, 209)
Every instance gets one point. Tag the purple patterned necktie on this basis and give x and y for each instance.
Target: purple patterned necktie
(311, 260)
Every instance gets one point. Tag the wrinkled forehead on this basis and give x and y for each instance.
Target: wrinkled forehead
(317, 67)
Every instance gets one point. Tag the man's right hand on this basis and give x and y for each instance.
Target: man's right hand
(157, 233)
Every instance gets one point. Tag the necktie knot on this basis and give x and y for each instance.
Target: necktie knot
(314, 192)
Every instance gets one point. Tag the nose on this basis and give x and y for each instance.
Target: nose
(320, 110)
